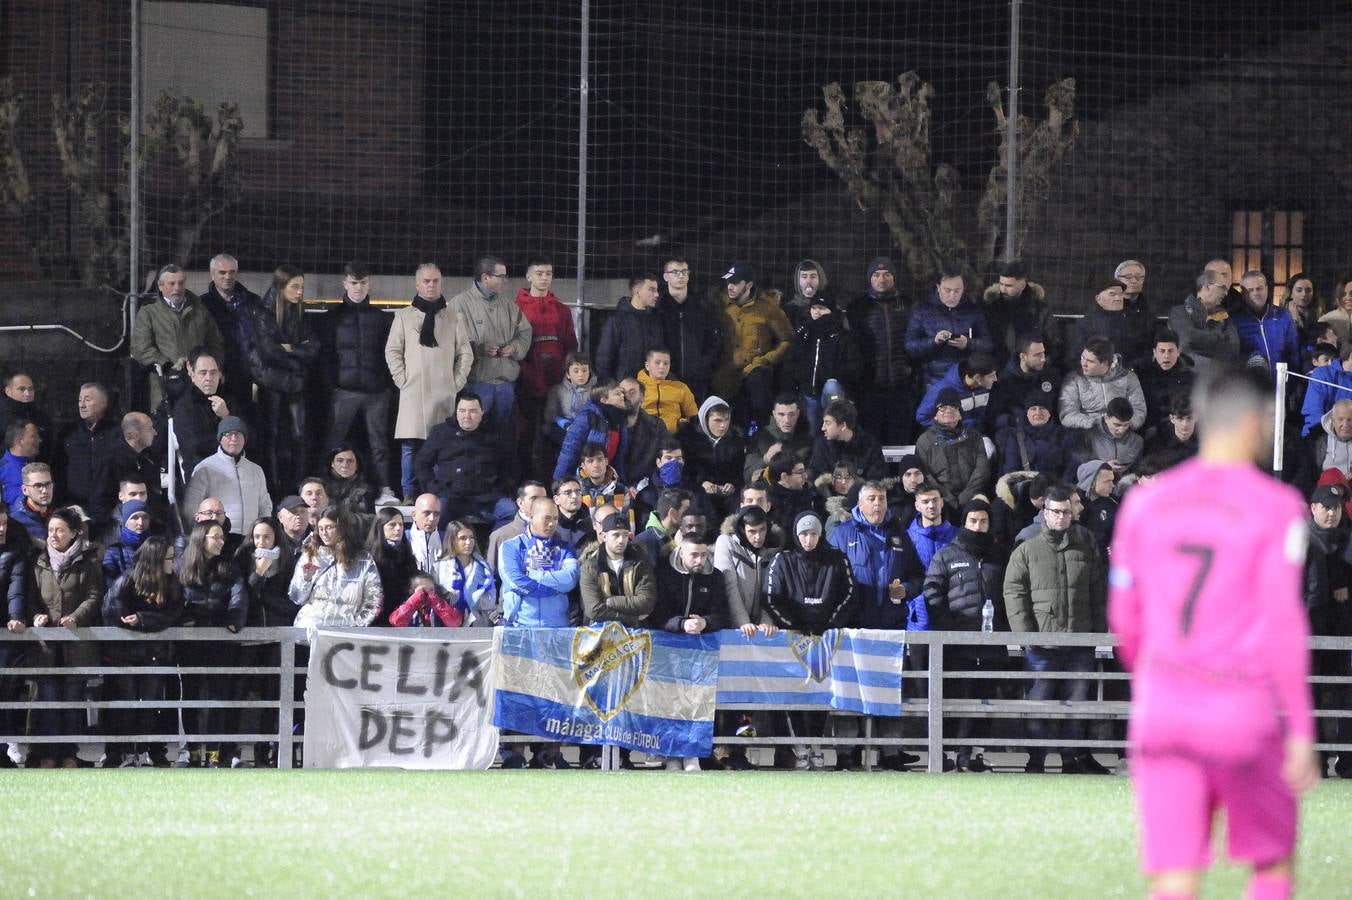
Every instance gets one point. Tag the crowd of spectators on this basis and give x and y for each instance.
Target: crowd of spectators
(716, 462)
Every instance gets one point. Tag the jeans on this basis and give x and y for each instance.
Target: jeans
(375, 409)
(408, 478)
(815, 405)
(499, 400)
(1058, 659)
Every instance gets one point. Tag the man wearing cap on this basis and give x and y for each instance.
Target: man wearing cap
(972, 379)
(887, 390)
(947, 327)
(630, 331)
(954, 453)
(1108, 317)
(1028, 369)
(1328, 577)
(615, 577)
(293, 514)
(1035, 442)
(227, 474)
(757, 337)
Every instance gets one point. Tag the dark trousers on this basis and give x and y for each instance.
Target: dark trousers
(375, 410)
(1058, 659)
(146, 688)
(288, 450)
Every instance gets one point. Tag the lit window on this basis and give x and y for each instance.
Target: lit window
(1271, 242)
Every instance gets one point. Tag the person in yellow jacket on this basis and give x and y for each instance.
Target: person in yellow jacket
(758, 337)
(668, 399)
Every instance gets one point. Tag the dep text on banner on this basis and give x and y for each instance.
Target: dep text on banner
(408, 702)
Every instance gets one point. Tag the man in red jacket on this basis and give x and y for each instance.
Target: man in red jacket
(552, 339)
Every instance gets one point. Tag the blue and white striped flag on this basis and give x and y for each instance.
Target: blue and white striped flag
(851, 669)
(607, 684)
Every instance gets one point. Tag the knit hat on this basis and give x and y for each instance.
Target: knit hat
(1109, 285)
(616, 521)
(881, 262)
(976, 504)
(948, 397)
(131, 508)
(1330, 496)
(911, 461)
(229, 424)
(807, 522)
(739, 271)
(819, 300)
(1040, 397)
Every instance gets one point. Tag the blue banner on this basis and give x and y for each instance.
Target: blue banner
(854, 670)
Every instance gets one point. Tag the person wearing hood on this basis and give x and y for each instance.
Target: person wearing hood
(887, 388)
(1101, 377)
(552, 340)
(787, 431)
(972, 378)
(132, 532)
(343, 480)
(1014, 307)
(460, 463)
(842, 438)
(500, 336)
(1027, 370)
(630, 331)
(1165, 375)
(1110, 439)
(355, 335)
(1097, 480)
(954, 453)
(1264, 329)
(714, 453)
(757, 337)
(1175, 440)
(825, 357)
(1036, 442)
(1108, 318)
(689, 328)
(600, 421)
(808, 587)
(1331, 446)
(1207, 331)
(809, 284)
(228, 475)
(962, 578)
(280, 356)
(947, 328)
(742, 554)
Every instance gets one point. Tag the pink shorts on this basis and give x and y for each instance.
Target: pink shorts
(1177, 797)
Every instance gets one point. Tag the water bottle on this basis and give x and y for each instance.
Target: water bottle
(988, 616)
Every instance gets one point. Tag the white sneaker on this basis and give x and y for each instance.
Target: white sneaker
(816, 761)
(387, 497)
(692, 763)
(18, 754)
(236, 762)
(183, 761)
(128, 761)
(673, 764)
(144, 760)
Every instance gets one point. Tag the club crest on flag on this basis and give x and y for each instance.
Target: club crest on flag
(609, 665)
(814, 652)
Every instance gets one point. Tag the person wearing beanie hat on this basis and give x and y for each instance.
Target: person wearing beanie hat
(972, 379)
(132, 531)
(758, 337)
(962, 578)
(1108, 317)
(229, 475)
(808, 587)
(955, 453)
(886, 392)
(947, 328)
(1034, 442)
(824, 358)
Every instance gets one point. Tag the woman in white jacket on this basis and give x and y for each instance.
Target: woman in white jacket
(335, 582)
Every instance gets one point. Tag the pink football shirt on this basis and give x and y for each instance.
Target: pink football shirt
(1205, 594)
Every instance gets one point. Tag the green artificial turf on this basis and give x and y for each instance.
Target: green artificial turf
(184, 833)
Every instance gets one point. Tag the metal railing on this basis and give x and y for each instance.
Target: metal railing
(933, 707)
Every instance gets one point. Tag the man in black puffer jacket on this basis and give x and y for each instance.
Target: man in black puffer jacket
(459, 463)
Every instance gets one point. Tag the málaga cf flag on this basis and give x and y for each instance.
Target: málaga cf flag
(851, 669)
(650, 691)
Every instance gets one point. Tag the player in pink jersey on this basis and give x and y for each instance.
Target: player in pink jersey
(1205, 594)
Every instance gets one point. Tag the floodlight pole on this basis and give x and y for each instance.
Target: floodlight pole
(1012, 133)
(584, 87)
(1279, 418)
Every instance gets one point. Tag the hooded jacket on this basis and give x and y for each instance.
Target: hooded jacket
(796, 307)
(1327, 451)
(976, 402)
(932, 317)
(809, 592)
(628, 597)
(565, 401)
(682, 593)
(707, 458)
(495, 320)
(1056, 582)
(957, 459)
(537, 575)
(743, 568)
(877, 555)
(1010, 318)
(596, 423)
(1084, 398)
(1100, 513)
(552, 338)
(626, 338)
(961, 578)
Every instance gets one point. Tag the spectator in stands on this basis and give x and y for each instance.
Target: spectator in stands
(1036, 442)
(147, 598)
(714, 453)
(670, 471)
(282, 354)
(644, 433)
(336, 581)
(741, 555)
(427, 606)
(500, 337)
(1097, 481)
(1340, 317)
(1263, 329)
(526, 494)
(36, 507)
(961, 579)
(601, 421)
(20, 402)
(757, 337)
(809, 284)
(1331, 447)
(575, 525)
(460, 463)
(169, 328)
(567, 398)
(1175, 440)
(293, 514)
(1167, 374)
(429, 358)
(689, 329)
(231, 306)
(666, 398)
(840, 438)
(786, 431)
(1207, 332)
(596, 478)
(790, 493)
(132, 532)
(1320, 397)
(1326, 589)
(537, 571)
(356, 334)
(84, 452)
(972, 379)
(344, 484)
(663, 524)
(552, 342)
(1111, 439)
(954, 453)
(1301, 305)
(1103, 375)
(23, 443)
(231, 476)
(211, 509)
(946, 329)
(1108, 318)
(824, 359)
(1027, 371)
(67, 591)
(134, 456)
(1131, 273)
(315, 493)
(424, 535)
(808, 587)
(267, 564)
(630, 331)
(388, 544)
(1057, 582)
(200, 409)
(465, 577)
(888, 387)
(929, 532)
(1015, 307)
(616, 578)
(16, 551)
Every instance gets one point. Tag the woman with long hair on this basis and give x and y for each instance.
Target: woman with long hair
(265, 562)
(1302, 305)
(345, 481)
(464, 574)
(279, 356)
(387, 542)
(336, 582)
(214, 596)
(69, 580)
(146, 598)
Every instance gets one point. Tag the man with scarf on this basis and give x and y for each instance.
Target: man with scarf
(887, 391)
(429, 358)
(963, 578)
(538, 572)
(669, 471)
(1206, 330)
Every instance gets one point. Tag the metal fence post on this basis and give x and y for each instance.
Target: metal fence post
(935, 737)
(286, 691)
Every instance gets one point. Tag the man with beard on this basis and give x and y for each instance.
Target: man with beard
(1015, 307)
(757, 336)
(1028, 370)
(644, 432)
(809, 284)
(786, 432)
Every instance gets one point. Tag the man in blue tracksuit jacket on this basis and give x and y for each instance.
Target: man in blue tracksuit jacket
(537, 570)
(883, 561)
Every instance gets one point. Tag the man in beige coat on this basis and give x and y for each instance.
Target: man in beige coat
(500, 336)
(429, 356)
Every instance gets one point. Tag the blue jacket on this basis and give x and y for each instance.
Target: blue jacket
(975, 403)
(879, 554)
(536, 574)
(11, 477)
(932, 317)
(1319, 398)
(930, 540)
(590, 426)
(1272, 335)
